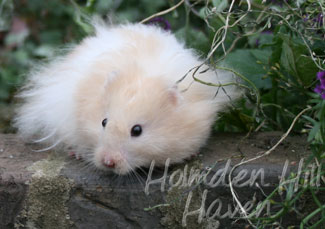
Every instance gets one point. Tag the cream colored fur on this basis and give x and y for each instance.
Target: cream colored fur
(128, 75)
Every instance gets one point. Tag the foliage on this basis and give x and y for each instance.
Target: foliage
(279, 47)
(276, 47)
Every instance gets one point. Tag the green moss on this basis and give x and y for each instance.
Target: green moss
(48, 193)
(177, 197)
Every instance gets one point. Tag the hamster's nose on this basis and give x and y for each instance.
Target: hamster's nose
(109, 163)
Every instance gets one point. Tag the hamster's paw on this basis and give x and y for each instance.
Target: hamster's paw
(194, 155)
(73, 154)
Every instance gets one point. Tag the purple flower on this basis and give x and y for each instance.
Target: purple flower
(160, 21)
(320, 88)
(305, 17)
(321, 77)
(319, 17)
(315, 21)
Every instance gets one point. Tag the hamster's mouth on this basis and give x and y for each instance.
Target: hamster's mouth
(117, 169)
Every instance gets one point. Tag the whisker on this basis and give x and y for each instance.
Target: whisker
(45, 138)
(50, 147)
(135, 173)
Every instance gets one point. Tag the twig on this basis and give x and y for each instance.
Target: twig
(257, 157)
(318, 164)
(191, 7)
(226, 26)
(156, 206)
(162, 12)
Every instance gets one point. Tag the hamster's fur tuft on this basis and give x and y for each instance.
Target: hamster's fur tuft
(115, 99)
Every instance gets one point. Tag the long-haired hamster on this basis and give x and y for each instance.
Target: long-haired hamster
(117, 100)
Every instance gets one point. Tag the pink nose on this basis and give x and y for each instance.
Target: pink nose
(109, 163)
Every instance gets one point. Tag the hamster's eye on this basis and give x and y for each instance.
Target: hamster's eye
(104, 122)
(136, 131)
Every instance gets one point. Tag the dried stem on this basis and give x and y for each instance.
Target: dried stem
(163, 12)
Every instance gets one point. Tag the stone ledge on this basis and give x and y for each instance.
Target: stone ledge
(49, 190)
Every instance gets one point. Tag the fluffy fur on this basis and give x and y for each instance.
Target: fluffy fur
(128, 75)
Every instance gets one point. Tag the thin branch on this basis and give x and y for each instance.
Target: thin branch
(257, 157)
(163, 12)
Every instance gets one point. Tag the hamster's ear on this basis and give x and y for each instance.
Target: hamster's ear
(174, 95)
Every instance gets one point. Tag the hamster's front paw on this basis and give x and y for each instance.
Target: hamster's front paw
(74, 155)
(194, 155)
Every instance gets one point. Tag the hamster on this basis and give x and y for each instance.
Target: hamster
(117, 100)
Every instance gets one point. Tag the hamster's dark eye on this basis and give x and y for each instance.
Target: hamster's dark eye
(136, 131)
(104, 122)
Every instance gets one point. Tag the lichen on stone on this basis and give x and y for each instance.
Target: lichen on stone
(177, 197)
(47, 196)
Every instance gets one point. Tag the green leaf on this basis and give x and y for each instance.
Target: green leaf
(6, 9)
(203, 12)
(307, 69)
(287, 59)
(300, 2)
(16, 38)
(220, 5)
(103, 6)
(261, 55)
(260, 39)
(248, 63)
(313, 132)
(53, 36)
(295, 59)
(194, 39)
(44, 51)
(310, 119)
